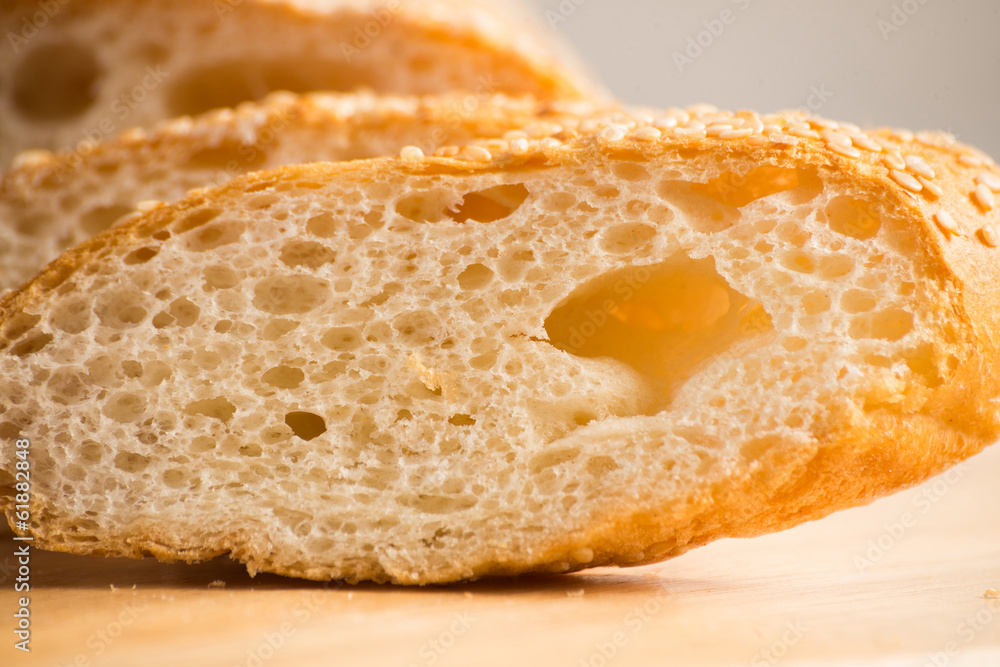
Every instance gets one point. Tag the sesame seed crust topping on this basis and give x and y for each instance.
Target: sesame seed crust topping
(947, 223)
(984, 197)
(906, 180)
(909, 160)
(990, 235)
(411, 154)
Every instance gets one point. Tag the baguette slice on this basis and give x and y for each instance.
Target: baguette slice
(51, 202)
(537, 356)
(83, 71)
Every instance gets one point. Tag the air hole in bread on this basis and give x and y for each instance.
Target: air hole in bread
(664, 320)
(489, 205)
(228, 156)
(121, 308)
(228, 84)
(20, 323)
(290, 295)
(124, 407)
(626, 238)
(196, 218)
(100, 218)
(306, 253)
(852, 217)
(55, 82)
(891, 324)
(461, 420)
(31, 344)
(141, 255)
(738, 190)
(474, 277)
(217, 408)
(212, 236)
(284, 377)
(306, 425)
(131, 462)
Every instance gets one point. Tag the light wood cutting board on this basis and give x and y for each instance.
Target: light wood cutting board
(900, 583)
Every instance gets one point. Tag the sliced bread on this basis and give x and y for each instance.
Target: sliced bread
(533, 356)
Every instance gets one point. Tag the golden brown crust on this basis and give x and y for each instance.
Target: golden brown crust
(862, 454)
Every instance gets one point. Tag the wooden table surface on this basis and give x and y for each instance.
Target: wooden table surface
(901, 583)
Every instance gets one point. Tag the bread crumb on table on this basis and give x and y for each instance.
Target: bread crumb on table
(218, 583)
(992, 594)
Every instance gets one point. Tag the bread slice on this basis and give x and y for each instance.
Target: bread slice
(534, 356)
(84, 71)
(51, 202)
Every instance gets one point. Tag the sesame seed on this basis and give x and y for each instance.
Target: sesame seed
(771, 128)
(758, 140)
(918, 166)
(411, 154)
(929, 139)
(803, 132)
(931, 187)
(990, 234)
(648, 133)
(906, 180)
(519, 146)
(32, 157)
(824, 123)
(147, 205)
(984, 197)
(447, 151)
(904, 136)
(947, 223)
(756, 124)
(614, 132)
(846, 151)
(968, 160)
(990, 180)
(894, 161)
(514, 135)
(832, 137)
(865, 143)
(694, 125)
(666, 123)
(716, 129)
(550, 142)
(689, 132)
(741, 133)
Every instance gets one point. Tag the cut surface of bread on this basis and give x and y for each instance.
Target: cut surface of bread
(98, 67)
(51, 202)
(539, 355)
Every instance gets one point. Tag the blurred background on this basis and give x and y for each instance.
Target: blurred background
(922, 64)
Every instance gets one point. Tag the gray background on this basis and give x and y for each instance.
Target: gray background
(939, 70)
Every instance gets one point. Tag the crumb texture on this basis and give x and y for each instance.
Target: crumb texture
(381, 373)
